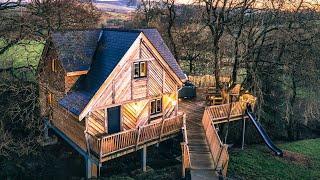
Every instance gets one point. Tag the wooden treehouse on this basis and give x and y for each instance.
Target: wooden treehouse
(109, 92)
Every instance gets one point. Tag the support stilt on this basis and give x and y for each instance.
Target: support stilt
(144, 158)
(91, 169)
(46, 139)
(243, 132)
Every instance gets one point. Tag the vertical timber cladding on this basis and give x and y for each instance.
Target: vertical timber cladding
(124, 88)
(69, 125)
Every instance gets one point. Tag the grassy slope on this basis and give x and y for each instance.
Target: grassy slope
(256, 162)
(24, 54)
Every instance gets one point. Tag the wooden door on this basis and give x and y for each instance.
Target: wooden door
(114, 119)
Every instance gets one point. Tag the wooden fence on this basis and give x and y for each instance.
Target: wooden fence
(218, 150)
(206, 80)
(134, 138)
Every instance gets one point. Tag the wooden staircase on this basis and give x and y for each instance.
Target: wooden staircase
(208, 156)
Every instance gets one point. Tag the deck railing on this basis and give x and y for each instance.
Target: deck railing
(186, 162)
(223, 112)
(134, 138)
(218, 150)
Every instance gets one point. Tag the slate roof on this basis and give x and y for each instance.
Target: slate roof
(76, 48)
(100, 55)
(75, 101)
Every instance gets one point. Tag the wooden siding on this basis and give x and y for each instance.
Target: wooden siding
(69, 125)
(124, 88)
(122, 85)
(169, 85)
(96, 122)
(170, 102)
(134, 114)
(47, 77)
(155, 78)
(69, 81)
(145, 52)
(139, 88)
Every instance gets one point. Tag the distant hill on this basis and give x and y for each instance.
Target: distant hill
(120, 6)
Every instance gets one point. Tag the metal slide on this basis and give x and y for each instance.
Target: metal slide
(263, 133)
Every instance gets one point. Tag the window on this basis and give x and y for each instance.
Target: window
(156, 106)
(53, 65)
(140, 69)
(49, 98)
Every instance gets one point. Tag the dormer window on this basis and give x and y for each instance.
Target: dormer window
(140, 69)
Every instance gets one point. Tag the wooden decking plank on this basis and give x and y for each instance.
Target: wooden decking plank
(200, 156)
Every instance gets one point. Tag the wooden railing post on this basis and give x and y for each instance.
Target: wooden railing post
(184, 128)
(183, 160)
(162, 125)
(99, 143)
(87, 136)
(138, 137)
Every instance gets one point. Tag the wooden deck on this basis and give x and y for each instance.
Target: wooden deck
(208, 155)
(111, 146)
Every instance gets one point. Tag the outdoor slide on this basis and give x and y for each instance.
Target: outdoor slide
(263, 133)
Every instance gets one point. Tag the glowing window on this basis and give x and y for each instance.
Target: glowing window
(140, 69)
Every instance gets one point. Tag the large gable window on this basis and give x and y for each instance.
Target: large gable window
(156, 106)
(140, 69)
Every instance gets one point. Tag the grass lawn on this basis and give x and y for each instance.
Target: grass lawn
(23, 54)
(301, 161)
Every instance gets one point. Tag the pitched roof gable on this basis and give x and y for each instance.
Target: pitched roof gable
(110, 49)
(111, 46)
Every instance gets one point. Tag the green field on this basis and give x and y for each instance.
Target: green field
(301, 161)
(25, 53)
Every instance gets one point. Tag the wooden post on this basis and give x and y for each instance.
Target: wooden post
(243, 132)
(161, 130)
(99, 169)
(182, 161)
(138, 137)
(91, 169)
(144, 158)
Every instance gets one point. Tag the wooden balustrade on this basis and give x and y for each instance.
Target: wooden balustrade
(218, 150)
(93, 142)
(186, 163)
(118, 141)
(221, 112)
(223, 161)
(150, 132)
(133, 138)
